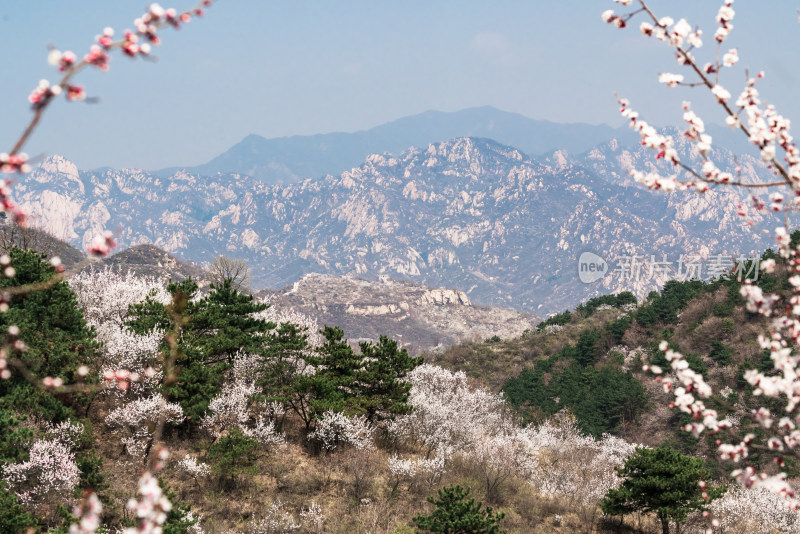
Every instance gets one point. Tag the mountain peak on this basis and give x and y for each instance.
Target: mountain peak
(59, 165)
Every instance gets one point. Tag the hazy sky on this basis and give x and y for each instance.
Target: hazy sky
(288, 67)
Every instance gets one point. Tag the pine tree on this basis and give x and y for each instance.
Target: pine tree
(380, 389)
(337, 365)
(213, 330)
(13, 517)
(277, 372)
(661, 481)
(223, 323)
(456, 513)
(14, 439)
(233, 454)
(369, 382)
(55, 333)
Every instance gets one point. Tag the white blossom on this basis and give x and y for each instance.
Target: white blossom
(334, 429)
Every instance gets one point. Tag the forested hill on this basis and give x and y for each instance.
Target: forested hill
(590, 360)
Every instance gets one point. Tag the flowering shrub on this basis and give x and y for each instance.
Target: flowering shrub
(743, 510)
(50, 470)
(312, 517)
(265, 433)
(139, 416)
(195, 469)
(231, 408)
(449, 414)
(106, 294)
(450, 417)
(335, 428)
(430, 470)
(275, 520)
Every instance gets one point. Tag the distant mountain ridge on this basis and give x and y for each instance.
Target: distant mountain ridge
(287, 160)
(467, 214)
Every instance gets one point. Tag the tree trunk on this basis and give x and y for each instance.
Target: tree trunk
(664, 525)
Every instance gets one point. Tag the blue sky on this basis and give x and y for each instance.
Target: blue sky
(289, 67)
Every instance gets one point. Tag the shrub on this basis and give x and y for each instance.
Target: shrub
(456, 513)
(232, 455)
(720, 353)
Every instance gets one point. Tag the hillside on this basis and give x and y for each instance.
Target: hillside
(151, 261)
(312, 436)
(589, 361)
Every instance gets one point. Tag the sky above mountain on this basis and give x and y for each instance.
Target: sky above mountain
(283, 68)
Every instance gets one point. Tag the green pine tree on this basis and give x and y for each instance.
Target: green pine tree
(213, 330)
(456, 513)
(13, 517)
(223, 323)
(55, 333)
(14, 440)
(277, 372)
(381, 391)
(233, 454)
(661, 481)
(333, 386)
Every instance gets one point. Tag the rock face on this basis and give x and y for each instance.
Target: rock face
(419, 317)
(443, 297)
(469, 214)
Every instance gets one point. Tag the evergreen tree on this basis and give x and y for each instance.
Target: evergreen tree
(223, 323)
(277, 372)
(55, 333)
(381, 391)
(456, 513)
(337, 369)
(233, 454)
(213, 330)
(14, 440)
(661, 481)
(13, 517)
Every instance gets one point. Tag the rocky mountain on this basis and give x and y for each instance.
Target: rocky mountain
(421, 318)
(291, 159)
(469, 214)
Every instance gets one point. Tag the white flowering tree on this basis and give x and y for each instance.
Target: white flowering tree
(233, 407)
(335, 429)
(138, 417)
(105, 296)
(448, 413)
(769, 132)
(50, 473)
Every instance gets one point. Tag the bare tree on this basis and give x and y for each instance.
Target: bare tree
(225, 268)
